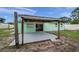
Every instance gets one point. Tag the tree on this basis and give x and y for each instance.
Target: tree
(66, 19)
(75, 13)
(75, 21)
(2, 20)
(75, 16)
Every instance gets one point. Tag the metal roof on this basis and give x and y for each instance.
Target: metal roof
(31, 17)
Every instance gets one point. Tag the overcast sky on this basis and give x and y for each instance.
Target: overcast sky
(55, 12)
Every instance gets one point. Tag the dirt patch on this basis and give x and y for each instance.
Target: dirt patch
(63, 45)
(6, 41)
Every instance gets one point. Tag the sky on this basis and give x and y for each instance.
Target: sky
(54, 12)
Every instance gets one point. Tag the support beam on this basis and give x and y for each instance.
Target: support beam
(58, 30)
(16, 30)
(22, 31)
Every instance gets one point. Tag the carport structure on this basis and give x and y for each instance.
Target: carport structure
(29, 18)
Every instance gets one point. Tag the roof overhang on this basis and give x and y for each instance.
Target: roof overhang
(39, 18)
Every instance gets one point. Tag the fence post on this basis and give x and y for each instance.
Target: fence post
(16, 30)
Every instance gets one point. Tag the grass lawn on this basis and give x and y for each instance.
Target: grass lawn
(71, 34)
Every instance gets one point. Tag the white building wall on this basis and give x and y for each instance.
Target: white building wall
(3, 25)
(72, 26)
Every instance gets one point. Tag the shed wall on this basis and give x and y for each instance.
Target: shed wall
(31, 27)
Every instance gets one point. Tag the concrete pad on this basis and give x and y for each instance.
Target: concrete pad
(35, 36)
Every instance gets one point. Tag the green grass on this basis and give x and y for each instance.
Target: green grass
(71, 34)
(4, 33)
